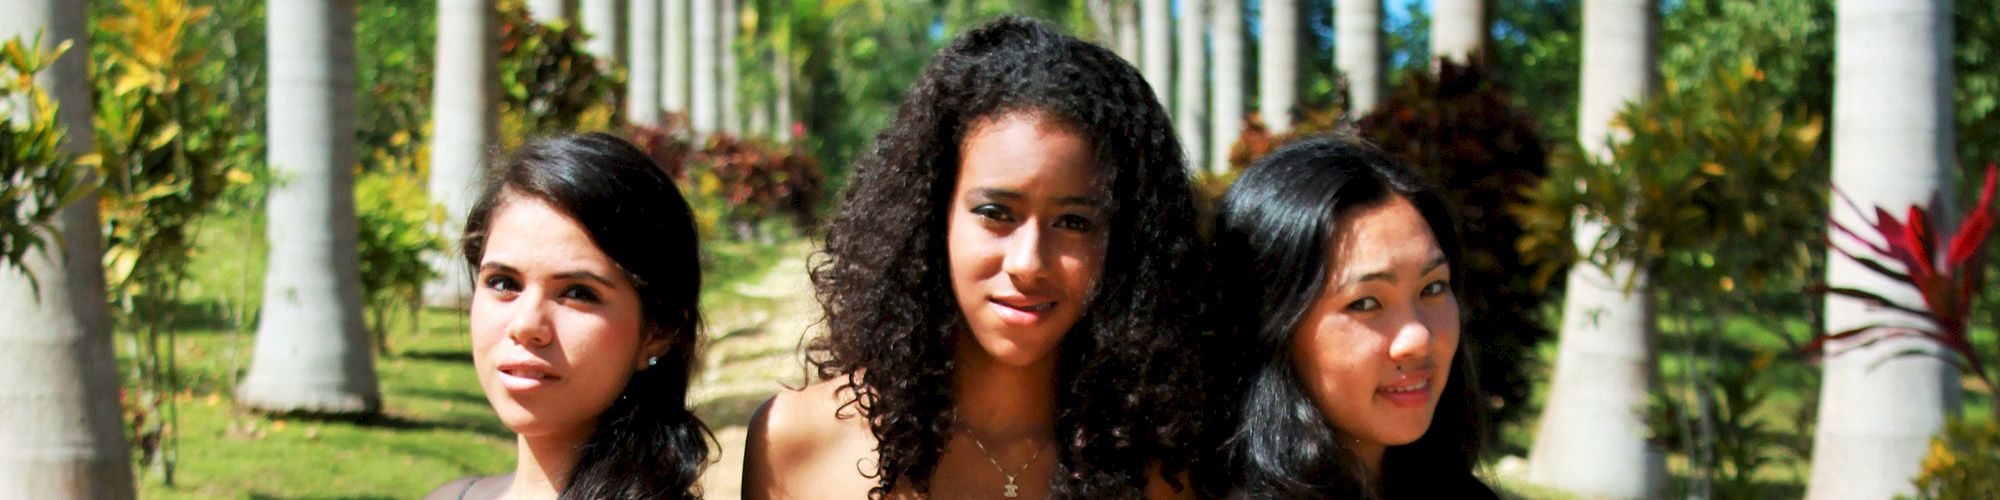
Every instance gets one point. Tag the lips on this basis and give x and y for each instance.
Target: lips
(524, 375)
(1022, 310)
(1410, 391)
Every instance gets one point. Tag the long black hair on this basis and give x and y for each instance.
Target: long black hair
(1273, 235)
(647, 444)
(1128, 387)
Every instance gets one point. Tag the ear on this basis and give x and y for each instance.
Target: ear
(655, 344)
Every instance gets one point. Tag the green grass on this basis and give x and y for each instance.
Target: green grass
(435, 425)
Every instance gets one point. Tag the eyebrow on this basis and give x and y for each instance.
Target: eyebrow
(1003, 194)
(1436, 261)
(567, 275)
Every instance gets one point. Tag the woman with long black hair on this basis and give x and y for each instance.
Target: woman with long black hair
(585, 315)
(1340, 268)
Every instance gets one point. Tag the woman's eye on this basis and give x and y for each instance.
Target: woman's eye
(580, 292)
(1076, 223)
(1436, 288)
(993, 213)
(1364, 304)
(502, 284)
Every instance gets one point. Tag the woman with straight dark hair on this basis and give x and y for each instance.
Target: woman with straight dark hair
(585, 313)
(1341, 268)
(1012, 289)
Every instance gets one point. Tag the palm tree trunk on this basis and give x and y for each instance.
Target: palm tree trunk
(1128, 31)
(1278, 64)
(730, 111)
(64, 433)
(603, 20)
(1892, 147)
(674, 40)
(1226, 120)
(781, 121)
(1156, 19)
(1192, 85)
(312, 353)
(1358, 52)
(642, 85)
(1592, 436)
(464, 93)
(702, 110)
(1458, 29)
(549, 11)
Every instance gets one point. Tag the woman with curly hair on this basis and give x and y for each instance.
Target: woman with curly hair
(584, 318)
(1342, 269)
(1011, 289)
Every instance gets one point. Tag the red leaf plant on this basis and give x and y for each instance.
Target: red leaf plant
(1947, 277)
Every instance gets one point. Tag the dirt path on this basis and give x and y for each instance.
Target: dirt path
(754, 351)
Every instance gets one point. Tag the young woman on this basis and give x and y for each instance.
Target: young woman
(1011, 289)
(1343, 267)
(584, 319)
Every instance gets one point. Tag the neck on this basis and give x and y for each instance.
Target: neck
(542, 464)
(1371, 458)
(1003, 402)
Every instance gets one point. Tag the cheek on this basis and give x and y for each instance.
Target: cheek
(1332, 363)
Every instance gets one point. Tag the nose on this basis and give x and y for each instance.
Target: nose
(1024, 261)
(1411, 343)
(529, 326)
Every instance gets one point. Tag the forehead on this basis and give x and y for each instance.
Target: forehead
(1383, 235)
(1028, 153)
(529, 231)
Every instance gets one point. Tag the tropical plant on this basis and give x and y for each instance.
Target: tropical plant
(1947, 270)
(1961, 462)
(395, 220)
(549, 81)
(36, 178)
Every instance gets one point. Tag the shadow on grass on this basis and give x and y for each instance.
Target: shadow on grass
(264, 496)
(401, 423)
(730, 411)
(448, 356)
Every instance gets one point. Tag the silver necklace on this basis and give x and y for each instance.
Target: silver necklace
(1012, 490)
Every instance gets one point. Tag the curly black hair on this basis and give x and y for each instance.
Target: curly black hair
(1274, 232)
(1128, 392)
(646, 444)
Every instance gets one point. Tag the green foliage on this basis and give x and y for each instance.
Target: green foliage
(1961, 462)
(395, 50)
(1790, 42)
(1739, 444)
(859, 56)
(395, 220)
(736, 182)
(1461, 130)
(36, 177)
(1538, 54)
(549, 82)
(1976, 96)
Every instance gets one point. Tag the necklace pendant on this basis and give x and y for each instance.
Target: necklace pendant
(1013, 490)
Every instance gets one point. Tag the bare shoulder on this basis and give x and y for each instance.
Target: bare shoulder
(476, 487)
(807, 443)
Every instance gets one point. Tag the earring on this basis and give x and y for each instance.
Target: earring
(652, 361)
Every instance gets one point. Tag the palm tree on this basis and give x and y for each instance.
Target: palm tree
(1592, 436)
(642, 84)
(64, 436)
(1156, 21)
(601, 19)
(312, 353)
(549, 11)
(1458, 29)
(1226, 120)
(1191, 115)
(1892, 147)
(464, 93)
(702, 110)
(725, 48)
(1128, 31)
(1358, 52)
(674, 40)
(1278, 63)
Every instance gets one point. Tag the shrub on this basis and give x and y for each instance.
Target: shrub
(735, 182)
(549, 82)
(1961, 462)
(395, 218)
(36, 176)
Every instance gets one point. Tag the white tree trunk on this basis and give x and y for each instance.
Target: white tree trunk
(1358, 52)
(674, 39)
(781, 119)
(1157, 20)
(312, 352)
(1128, 31)
(1892, 147)
(549, 11)
(1458, 29)
(464, 94)
(642, 84)
(64, 433)
(1278, 64)
(730, 111)
(1192, 87)
(1226, 120)
(604, 19)
(702, 111)
(1592, 436)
